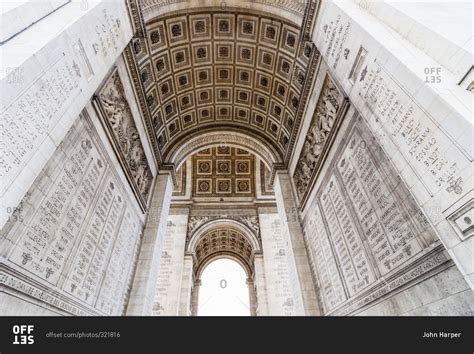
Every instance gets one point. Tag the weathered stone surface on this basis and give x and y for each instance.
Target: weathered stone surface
(280, 295)
(49, 72)
(171, 270)
(412, 103)
(366, 234)
(325, 146)
(76, 231)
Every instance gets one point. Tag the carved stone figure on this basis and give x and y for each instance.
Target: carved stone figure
(251, 221)
(322, 124)
(194, 222)
(120, 120)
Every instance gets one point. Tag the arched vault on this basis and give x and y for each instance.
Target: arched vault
(223, 238)
(223, 75)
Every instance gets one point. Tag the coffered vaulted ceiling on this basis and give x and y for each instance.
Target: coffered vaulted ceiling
(222, 70)
(223, 240)
(223, 172)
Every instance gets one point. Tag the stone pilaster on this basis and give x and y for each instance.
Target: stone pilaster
(195, 297)
(146, 273)
(252, 297)
(260, 286)
(186, 301)
(304, 295)
(168, 289)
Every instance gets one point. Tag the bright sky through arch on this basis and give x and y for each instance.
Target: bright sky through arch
(223, 290)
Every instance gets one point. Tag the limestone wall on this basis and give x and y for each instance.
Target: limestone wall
(71, 245)
(417, 112)
(75, 179)
(171, 264)
(444, 294)
(386, 217)
(369, 240)
(51, 71)
(387, 222)
(279, 276)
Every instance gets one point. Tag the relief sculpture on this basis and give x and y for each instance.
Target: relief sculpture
(326, 114)
(118, 118)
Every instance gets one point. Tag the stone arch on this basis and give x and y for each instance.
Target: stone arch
(292, 11)
(224, 255)
(186, 148)
(223, 239)
(214, 226)
(222, 223)
(200, 95)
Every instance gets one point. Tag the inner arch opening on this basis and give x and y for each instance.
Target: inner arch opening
(208, 139)
(224, 290)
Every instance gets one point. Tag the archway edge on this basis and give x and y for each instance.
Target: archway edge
(266, 153)
(219, 224)
(223, 255)
(279, 8)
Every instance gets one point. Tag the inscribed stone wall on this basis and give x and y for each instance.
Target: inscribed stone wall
(422, 122)
(277, 273)
(49, 78)
(73, 239)
(171, 266)
(365, 233)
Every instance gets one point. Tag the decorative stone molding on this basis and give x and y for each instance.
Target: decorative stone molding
(292, 7)
(265, 180)
(196, 222)
(179, 188)
(330, 107)
(315, 60)
(135, 10)
(310, 15)
(462, 219)
(223, 241)
(252, 222)
(223, 171)
(176, 104)
(117, 118)
(427, 267)
(222, 138)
